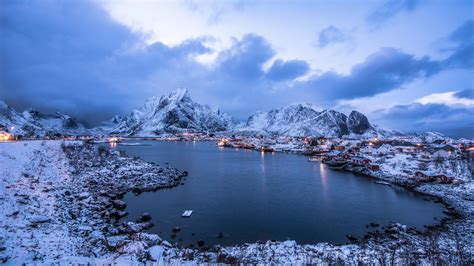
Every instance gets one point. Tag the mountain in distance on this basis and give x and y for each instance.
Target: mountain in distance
(34, 123)
(304, 120)
(174, 113)
(178, 113)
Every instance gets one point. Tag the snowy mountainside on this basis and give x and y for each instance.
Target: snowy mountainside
(54, 123)
(176, 112)
(304, 120)
(32, 122)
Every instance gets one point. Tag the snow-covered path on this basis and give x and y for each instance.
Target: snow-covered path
(30, 215)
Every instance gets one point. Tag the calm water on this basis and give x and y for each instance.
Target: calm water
(249, 196)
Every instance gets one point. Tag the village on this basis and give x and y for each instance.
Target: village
(413, 158)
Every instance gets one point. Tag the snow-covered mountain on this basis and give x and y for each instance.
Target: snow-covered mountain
(176, 112)
(304, 120)
(32, 122)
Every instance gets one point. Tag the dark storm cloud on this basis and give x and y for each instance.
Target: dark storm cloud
(389, 69)
(332, 35)
(456, 121)
(462, 40)
(389, 9)
(72, 57)
(287, 70)
(382, 71)
(244, 60)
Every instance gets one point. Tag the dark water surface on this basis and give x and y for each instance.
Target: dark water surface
(250, 196)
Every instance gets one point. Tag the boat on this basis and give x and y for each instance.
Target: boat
(382, 183)
(265, 148)
(187, 213)
(314, 159)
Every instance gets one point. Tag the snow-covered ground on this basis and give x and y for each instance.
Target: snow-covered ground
(60, 203)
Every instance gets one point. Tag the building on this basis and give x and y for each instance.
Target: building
(358, 160)
(4, 136)
(430, 176)
(373, 167)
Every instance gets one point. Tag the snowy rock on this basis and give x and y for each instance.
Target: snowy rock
(304, 120)
(145, 217)
(38, 219)
(117, 241)
(176, 112)
(84, 195)
(136, 248)
(97, 234)
(119, 204)
(358, 123)
(156, 254)
(32, 122)
(135, 228)
(85, 228)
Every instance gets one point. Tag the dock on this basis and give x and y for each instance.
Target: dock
(187, 213)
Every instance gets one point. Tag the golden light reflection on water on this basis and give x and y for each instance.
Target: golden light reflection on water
(262, 163)
(323, 172)
(112, 145)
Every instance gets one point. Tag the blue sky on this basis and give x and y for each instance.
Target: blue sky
(407, 65)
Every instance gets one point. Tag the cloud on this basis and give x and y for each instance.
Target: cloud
(332, 35)
(215, 10)
(389, 69)
(462, 40)
(465, 94)
(287, 70)
(454, 121)
(246, 57)
(389, 9)
(449, 98)
(72, 57)
(382, 71)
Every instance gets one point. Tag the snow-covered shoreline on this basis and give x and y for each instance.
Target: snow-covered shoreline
(60, 199)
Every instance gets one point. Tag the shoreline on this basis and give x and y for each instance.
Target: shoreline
(120, 242)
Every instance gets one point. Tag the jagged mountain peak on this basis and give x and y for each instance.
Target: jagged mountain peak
(33, 122)
(179, 95)
(358, 122)
(3, 104)
(305, 120)
(176, 112)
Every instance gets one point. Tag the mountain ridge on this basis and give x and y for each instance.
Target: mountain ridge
(178, 113)
(32, 122)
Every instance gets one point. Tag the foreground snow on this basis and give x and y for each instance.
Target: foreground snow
(60, 203)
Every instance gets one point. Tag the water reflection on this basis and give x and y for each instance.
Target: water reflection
(323, 173)
(250, 196)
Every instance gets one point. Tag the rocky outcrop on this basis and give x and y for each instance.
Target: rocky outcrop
(176, 112)
(358, 123)
(304, 120)
(34, 123)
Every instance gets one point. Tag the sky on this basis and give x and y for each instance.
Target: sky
(406, 64)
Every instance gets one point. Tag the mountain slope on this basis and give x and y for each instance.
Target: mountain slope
(32, 122)
(304, 120)
(176, 112)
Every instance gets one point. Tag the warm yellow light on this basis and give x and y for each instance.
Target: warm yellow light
(6, 136)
